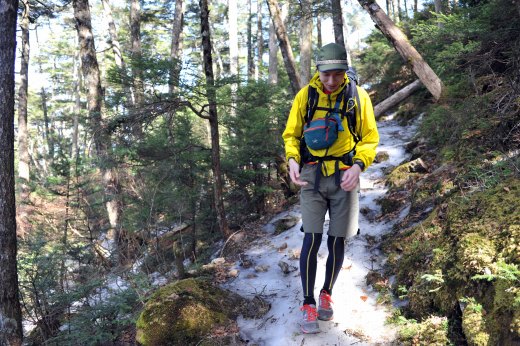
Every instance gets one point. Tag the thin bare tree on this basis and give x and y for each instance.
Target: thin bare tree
(285, 46)
(10, 313)
(212, 118)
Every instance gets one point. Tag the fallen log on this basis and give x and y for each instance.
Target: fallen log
(409, 54)
(393, 100)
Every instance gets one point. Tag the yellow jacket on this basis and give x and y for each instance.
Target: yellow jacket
(365, 124)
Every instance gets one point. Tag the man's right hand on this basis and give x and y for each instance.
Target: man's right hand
(294, 173)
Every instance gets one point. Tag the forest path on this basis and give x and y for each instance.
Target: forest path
(358, 318)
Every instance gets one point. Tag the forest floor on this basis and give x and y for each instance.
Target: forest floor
(360, 314)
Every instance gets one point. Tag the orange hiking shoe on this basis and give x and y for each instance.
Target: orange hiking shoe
(325, 312)
(309, 324)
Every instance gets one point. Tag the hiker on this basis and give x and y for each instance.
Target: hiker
(330, 138)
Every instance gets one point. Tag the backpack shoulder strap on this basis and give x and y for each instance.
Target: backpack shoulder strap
(352, 107)
(312, 104)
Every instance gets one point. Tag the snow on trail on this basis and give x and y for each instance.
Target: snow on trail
(358, 319)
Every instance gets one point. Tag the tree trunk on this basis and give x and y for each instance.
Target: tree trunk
(337, 20)
(213, 119)
(285, 46)
(49, 135)
(395, 10)
(407, 51)
(306, 41)
(233, 51)
(393, 100)
(438, 9)
(101, 137)
(77, 108)
(116, 48)
(250, 58)
(345, 32)
(273, 55)
(318, 30)
(23, 152)
(259, 40)
(135, 37)
(177, 25)
(10, 313)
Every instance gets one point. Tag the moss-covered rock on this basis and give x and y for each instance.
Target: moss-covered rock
(474, 325)
(188, 312)
(475, 254)
(433, 332)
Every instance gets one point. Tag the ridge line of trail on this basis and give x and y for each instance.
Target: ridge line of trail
(358, 318)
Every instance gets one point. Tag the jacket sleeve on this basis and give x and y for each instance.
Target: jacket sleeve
(294, 128)
(366, 148)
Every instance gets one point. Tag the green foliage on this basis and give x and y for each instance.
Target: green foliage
(253, 145)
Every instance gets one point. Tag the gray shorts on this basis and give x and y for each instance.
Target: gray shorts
(343, 206)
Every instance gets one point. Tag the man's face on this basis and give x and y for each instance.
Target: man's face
(332, 80)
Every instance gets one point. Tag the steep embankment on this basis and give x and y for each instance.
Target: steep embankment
(270, 268)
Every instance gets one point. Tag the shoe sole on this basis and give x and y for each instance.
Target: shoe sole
(309, 332)
(325, 319)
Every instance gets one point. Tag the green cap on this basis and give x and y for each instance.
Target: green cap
(332, 56)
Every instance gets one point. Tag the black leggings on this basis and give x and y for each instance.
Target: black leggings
(309, 260)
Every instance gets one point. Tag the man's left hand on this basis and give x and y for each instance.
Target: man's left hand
(350, 179)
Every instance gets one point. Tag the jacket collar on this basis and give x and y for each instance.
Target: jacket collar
(318, 85)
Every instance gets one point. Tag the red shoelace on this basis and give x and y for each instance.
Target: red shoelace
(312, 313)
(325, 300)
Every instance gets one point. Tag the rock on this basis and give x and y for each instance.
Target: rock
(218, 261)
(190, 310)
(286, 268)
(261, 268)
(233, 273)
(285, 223)
(418, 166)
(294, 254)
(282, 247)
(245, 261)
(381, 157)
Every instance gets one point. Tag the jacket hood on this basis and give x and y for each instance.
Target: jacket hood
(318, 85)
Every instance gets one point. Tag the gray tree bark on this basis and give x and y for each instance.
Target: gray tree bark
(410, 55)
(250, 55)
(116, 48)
(23, 151)
(273, 55)
(285, 46)
(101, 137)
(213, 119)
(176, 47)
(306, 41)
(396, 98)
(259, 40)
(337, 21)
(10, 313)
(137, 54)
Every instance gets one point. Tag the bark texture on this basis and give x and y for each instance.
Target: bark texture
(306, 42)
(405, 49)
(213, 119)
(101, 137)
(285, 46)
(273, 55)
(399, 96)
(23, 152)
(177, 24)
(10, 312)
(337, 21)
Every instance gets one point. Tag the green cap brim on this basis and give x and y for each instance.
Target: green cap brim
(330, 67)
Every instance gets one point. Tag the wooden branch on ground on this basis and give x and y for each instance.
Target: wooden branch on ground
(393, 100)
